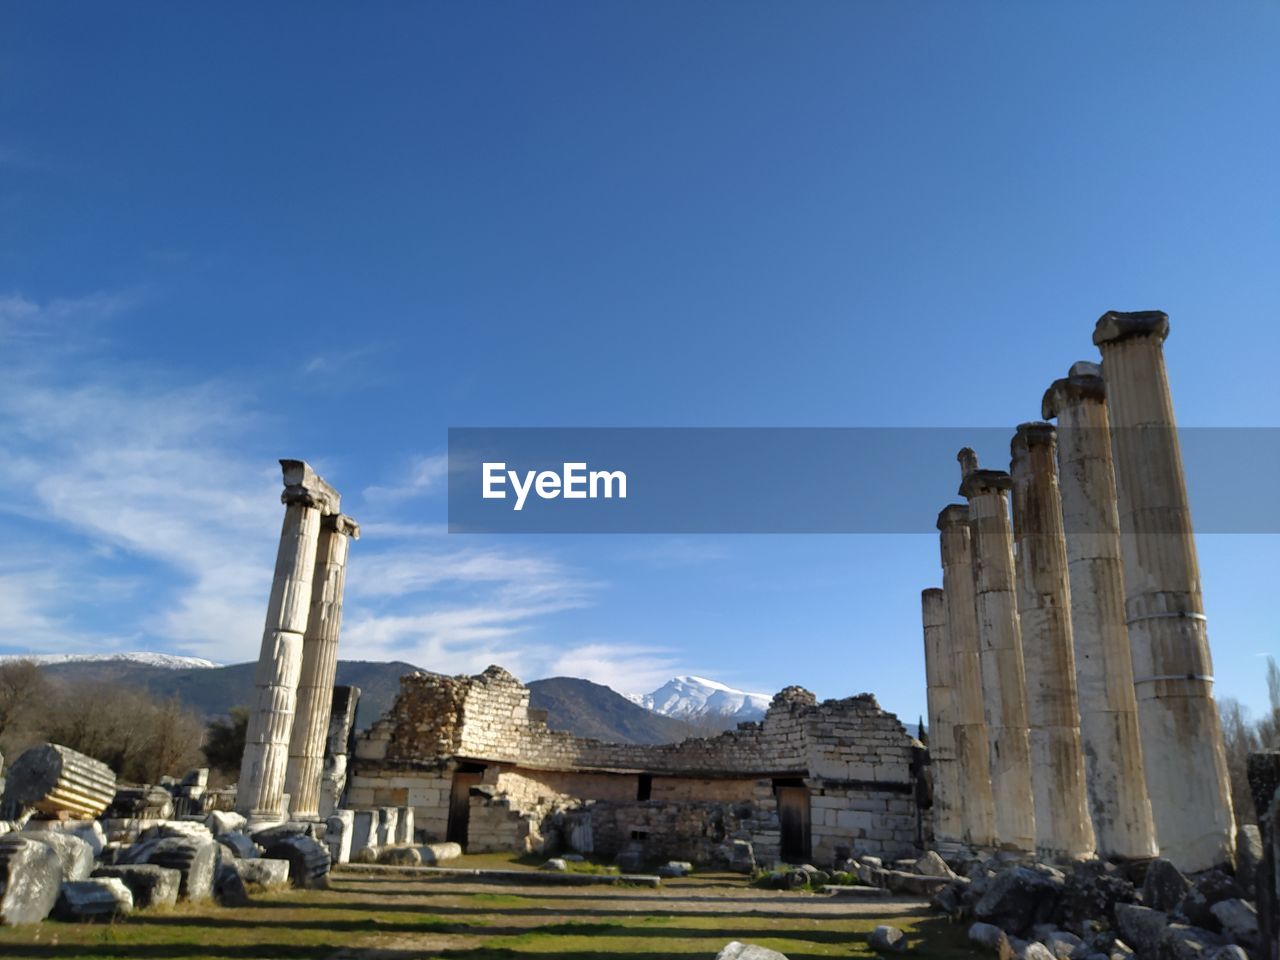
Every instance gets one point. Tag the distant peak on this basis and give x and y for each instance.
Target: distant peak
(167, 660)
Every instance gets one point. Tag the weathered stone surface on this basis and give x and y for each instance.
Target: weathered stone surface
(1249, 856)
(555, 865)
(1182, 746)
(993, 938)
(90, 831)
(150, 885)
(144, 803)
(56, 780)
(400, 856)
(74, 854)
(365, 855)
(675, 868)
(734, 950)
(1210, 888)
(1184, 942)
(229, 887)
(338, 830)
(308, 860)
(435, 853)
(30, 876)
(1062, 944)
(742, 857)
(263, 872)
(1141, 927)
(102, 898)
(240, 845)
(1020, 896)
(1092, 892)
(1164, 885)
(194, 858)
(932, 865)
(225, 821)
(887, 937)
(176, 828)
(1037, 951)
(1239, 921)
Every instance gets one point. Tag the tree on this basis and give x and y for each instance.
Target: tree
(22, 688)
(921, 733)
(224, 741)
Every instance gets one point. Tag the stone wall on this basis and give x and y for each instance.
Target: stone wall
(855, 759)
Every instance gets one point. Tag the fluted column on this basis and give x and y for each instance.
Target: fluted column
(319, 667)
(1063, 828)
(1003, 674)
(1173, 672)
(1117, 784)
(260, 793)
(947, 824)
(969, 729)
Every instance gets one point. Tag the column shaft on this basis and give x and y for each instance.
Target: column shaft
(947, 820)
(969, 730)
(1063, 828)
(260, 792)
(1117, 784)
(1173, 672)
(319, 667)
(1003, 673)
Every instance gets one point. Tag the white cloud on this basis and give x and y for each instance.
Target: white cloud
(625, 668)
(425, 475)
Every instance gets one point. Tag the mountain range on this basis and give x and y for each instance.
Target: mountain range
(580, 707)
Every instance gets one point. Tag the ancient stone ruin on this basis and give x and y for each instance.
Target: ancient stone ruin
(811, 781)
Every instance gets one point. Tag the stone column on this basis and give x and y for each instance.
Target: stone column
(1117, 783)
(1063, 828)
(319, 667)
(342, 719)
(260, 794)
(1173, 673)
(947, 824)
(969, 729)
(1003, 675)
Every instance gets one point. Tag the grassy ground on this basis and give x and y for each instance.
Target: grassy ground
(398, 918)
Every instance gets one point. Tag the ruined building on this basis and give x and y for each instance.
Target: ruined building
(477, 766)
(1069, 675)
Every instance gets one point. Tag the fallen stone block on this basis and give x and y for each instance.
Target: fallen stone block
(365, 855)
(734, 950)
(151, 885)
(90, 831)
(1035, 950)
(308, 860)
(229, 887)
(1020, 897)
(102, 898)
(1210, 888)
(675, 868)
(991, 937)
(1249, 854)
(1239, 921)
(400, 856)
(436, 853)
(56, 780)
(225, 821)
(1183, 942)
(30, 877)
(75, 856)
(339, 829)
(195, 859)
(932, 865)
(1141, 927)
(263, 872)
(1164, 886)
(555, 864)
(888, 938)
(241, 847)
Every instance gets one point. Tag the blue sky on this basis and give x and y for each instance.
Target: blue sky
(230, 234)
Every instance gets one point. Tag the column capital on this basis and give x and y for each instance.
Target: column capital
(968, 461)
(1083, 382)
(953, 514)
(1035, 433)
(341, 523)
(303, 485)
(1117, 325)
(985, 481)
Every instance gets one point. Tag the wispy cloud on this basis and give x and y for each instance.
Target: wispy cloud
(626, 668)
(424, 475)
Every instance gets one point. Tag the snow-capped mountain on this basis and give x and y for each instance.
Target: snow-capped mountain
(689, 697)
(167, 660)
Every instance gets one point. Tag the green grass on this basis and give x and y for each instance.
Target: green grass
(366, 918)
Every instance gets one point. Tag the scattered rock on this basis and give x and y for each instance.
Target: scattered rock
(748, 951)
(885, 937)
(556, 864)
(1183, 942)
(1211, 887)
(1142, 927)
(365, 855)
(676, 868)
(103, 898)
(1062, 944)
(932, 865)
(1249, 853)
(1020, 896)
(1164, 886)
(240, 845)
(1239, 921)
(30, 876)
(151, 885)
(1230, 952)
(433, 853)
(993, 938)
(225, 821)
(742, 857)
(1037, 951)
